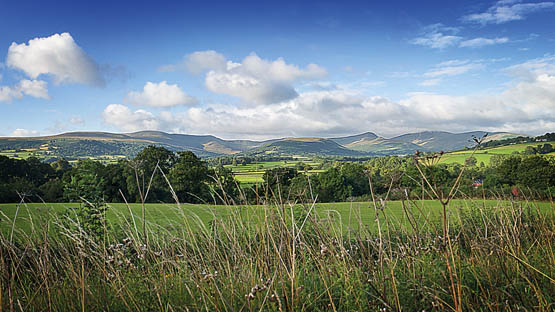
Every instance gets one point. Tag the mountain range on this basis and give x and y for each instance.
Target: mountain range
(91, 144)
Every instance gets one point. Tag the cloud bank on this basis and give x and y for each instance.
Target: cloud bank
(528, 106)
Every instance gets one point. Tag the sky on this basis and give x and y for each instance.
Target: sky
(269, 69)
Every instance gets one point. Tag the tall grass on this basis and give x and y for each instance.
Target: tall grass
(286, 258)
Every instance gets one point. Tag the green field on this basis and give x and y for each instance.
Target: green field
(252, 173)
(485, 154)
(171, 218)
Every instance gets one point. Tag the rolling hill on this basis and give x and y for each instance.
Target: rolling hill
(304, 146)
(76, 145)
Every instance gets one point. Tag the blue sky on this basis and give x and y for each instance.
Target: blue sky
(265, 69)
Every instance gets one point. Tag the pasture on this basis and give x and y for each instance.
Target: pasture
(496, 254)
(252, 173)
(171, 218)
(485, 154)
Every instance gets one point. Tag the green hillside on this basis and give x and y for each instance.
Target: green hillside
(484, 155)
(383, 146)
(305, 146)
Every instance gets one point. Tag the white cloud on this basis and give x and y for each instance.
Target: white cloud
(125, 119)
(480, 42)
(437, 36)
(532, 69)
(57, 55)
(452, 68)
(506, 11)
(24, 133)
(77, 120)
(260, 81)
(160, 95)
(34, 88)
(198, 62)
(430, 82)
(249, 88)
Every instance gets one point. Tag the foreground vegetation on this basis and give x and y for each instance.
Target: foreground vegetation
(494, 256)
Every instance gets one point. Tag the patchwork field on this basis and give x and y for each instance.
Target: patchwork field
(252, 173)
(485, 154)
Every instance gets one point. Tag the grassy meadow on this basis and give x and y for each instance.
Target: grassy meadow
(373, 256)
(169, 218)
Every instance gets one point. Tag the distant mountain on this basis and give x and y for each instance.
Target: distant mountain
(354, 138)
(75, 145)
(383, 146)
(435, 141)
(304, 146)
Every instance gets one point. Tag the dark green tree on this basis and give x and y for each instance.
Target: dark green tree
(189, 178)
(143, 180)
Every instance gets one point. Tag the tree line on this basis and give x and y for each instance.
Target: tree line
(148, 177)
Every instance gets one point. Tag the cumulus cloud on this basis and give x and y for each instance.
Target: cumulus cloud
(160, 95)
(261, 81)
(34, 88)
(481, 42)
(437, 36)
(125, 119)
(254, 80)
(57, 55)
(507, 10)
(24, 133)
(198, 62)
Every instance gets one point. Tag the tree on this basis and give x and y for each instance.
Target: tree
(87, 187)
(535, 172)
(545, 149)
(507, 170)
(189, 178)
(279, 177)
(224, 184)
(332, 186)
(144, 182)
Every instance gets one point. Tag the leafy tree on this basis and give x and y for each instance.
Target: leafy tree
(507, 170)
(332, 186)
(87, 187)
(142, 169)
(535, 172)
(52, 191)
(224, 183)
(189, 178)
(545, 149)
(281, 177)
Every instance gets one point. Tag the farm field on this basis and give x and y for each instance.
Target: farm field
(252, 173)
(45, 153)
(171, 218)
(485, 154)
